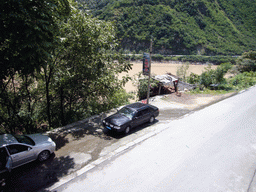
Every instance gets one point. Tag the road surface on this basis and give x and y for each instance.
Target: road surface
(213, 149)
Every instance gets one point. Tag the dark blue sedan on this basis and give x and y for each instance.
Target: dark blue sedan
(131, 116)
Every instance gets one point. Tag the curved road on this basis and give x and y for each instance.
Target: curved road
(213, 149)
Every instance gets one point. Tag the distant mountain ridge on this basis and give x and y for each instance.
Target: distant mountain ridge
(204, 27)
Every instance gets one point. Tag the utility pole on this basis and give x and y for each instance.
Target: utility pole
(149, 75)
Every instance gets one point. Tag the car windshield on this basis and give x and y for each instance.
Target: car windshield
(127, 112)
(24, 139)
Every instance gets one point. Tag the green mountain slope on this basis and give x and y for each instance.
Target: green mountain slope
(182, 26)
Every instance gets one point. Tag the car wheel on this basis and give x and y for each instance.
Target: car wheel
(127, 130)
(44, 155)
(152, 119)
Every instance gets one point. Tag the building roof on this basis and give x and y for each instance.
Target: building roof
(166, 79)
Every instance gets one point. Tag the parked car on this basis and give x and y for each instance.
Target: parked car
(17, 150)
(131, 116)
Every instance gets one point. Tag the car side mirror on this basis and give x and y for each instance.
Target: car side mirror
(29, 148)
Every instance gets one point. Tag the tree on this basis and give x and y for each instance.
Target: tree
(28, 31)
(81, 77)
(76, 72)
(27, 37)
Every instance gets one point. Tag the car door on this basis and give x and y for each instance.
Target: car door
(141, 116)
(20, 154)
(145, 115)
(3, 158)
(137, 120)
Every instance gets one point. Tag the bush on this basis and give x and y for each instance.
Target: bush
(207, 78)
(193, 78)
(143, 87)
(142, 84)
(247, 62)
(157, 57)
(243, 80)
(216, 76)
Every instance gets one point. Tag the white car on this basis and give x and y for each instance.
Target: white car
(17, 150)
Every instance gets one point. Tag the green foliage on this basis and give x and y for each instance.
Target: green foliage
(247, 62)
(243, 80)
(84, 81)
(220, 72)
(216, 60)
(182, 27)
(205, 59)
(242, 14)
(207, 77)
(237, 82)
(142, 85)
(211, 77)
(157, 57)
(78, 78)
(193, 78)
(28, 30)
(17, 105)
(28, 36)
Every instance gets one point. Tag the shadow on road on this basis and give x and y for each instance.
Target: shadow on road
(35, 176)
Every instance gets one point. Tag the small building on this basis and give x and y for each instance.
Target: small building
(170, 83)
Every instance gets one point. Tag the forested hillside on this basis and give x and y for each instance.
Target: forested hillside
(207, 27)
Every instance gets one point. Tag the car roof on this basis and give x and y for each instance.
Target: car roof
(7, 139)
(136, 106)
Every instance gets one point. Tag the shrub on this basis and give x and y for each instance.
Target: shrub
(216, 76)
(243, 80)
(193, 78)
(143, 87)
(247, 62)
(157, 57)
(142, 84)
(207, 78)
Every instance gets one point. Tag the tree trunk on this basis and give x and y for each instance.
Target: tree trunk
(62, 107)
(48, 104)
(47, 82)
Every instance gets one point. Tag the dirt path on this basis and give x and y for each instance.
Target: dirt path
(194, 101)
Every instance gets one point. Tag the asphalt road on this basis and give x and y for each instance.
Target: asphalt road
(213, 149)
